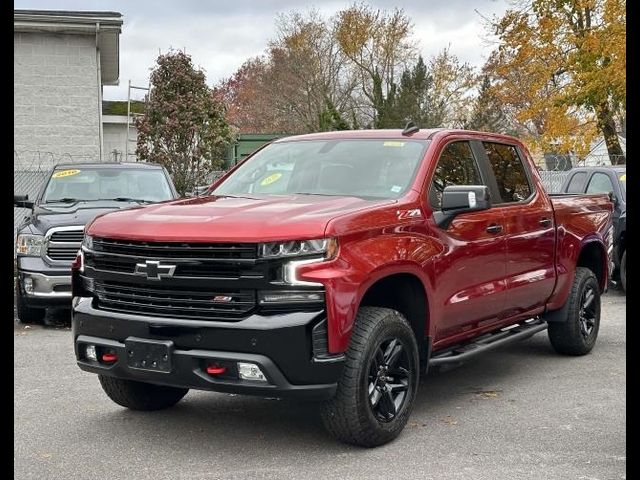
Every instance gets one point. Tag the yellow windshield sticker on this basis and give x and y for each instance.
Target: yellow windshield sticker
(270, 179)
(393, 144)
(623, 178)
(65, 173)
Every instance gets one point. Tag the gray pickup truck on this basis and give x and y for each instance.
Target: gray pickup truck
(51, 234)
(612, 180)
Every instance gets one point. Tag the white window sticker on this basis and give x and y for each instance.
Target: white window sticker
(396, 188)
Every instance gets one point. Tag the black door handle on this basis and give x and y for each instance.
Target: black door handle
(545, 222)
(494, 228)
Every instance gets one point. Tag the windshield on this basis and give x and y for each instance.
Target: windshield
(623, 183)
(87, 183)
(362, 168)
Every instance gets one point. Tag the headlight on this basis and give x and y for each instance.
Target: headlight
(87, 242)
(326, 247)
(29, 244)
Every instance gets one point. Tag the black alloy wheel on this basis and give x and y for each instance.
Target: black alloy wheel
(587, 312)
(390, 378)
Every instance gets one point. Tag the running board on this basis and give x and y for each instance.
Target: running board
(460, 353)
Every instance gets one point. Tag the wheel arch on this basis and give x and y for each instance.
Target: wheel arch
(405, 292)
(593, 256)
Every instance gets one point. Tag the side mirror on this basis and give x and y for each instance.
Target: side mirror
(457, 199)
(22, 201)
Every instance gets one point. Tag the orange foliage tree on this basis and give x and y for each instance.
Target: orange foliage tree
(561, 68)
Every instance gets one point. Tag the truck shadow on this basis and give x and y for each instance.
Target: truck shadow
(267, 426)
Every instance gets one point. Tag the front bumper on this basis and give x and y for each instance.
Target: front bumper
(281, 345)
(51, 285)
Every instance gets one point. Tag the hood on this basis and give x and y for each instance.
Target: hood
(46, 216)
(231, 219)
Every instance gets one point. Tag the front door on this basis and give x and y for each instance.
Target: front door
(469, 273)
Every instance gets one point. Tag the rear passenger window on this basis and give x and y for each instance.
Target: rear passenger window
(456, 166)
(576, 184)
(509, 172)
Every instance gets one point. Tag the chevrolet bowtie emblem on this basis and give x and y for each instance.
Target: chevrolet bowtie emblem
(154, 270)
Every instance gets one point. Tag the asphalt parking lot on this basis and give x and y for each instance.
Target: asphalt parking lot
(520, 412)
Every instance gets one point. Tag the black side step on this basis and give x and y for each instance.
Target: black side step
(460, 353)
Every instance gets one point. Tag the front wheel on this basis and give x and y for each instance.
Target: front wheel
(378, 383)
(576, 333)
(27, 314)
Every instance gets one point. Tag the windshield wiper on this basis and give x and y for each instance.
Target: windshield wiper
(63, 200)
(321, 194)
(125, 199)
(228, 196)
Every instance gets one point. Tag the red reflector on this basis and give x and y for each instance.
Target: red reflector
(216, 369)
(109, 357)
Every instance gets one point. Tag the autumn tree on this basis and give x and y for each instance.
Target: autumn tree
(302, 78)
(252, 104)
(310, 72)
(378, 44)
(453, 86)
(561, 66)
(183, 127)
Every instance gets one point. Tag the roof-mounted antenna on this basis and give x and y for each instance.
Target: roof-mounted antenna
(409, 129)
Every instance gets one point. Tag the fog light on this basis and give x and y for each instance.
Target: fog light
(27, 283)
(90, 353)
(250, 371)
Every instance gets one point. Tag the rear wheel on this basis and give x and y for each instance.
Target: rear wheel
(141, 396)
(27, 314)
(576, 333)
(379, 380)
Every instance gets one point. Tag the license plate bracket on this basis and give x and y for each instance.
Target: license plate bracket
(149, 355)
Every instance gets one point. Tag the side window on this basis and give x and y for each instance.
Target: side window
(509, 171)
(456, 166)
(576, 184)
(600, 183)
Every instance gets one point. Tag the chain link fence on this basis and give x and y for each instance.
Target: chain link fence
(555, 168)
(552, 181)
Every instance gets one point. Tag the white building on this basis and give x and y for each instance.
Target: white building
(114, 124)
(62, 60)
(599, 155)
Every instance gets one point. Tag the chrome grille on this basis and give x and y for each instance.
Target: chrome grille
(63, 244)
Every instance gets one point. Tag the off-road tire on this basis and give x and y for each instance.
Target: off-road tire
(350, 416)
(566, 336)
(141, 396)
(27, 314)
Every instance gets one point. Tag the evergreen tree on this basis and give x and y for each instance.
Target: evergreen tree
(487, 114)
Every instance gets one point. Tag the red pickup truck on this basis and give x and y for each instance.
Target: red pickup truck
(339, 266)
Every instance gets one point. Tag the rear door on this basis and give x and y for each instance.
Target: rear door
(529, 229)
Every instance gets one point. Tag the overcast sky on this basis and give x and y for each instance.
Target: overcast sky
(221, 35)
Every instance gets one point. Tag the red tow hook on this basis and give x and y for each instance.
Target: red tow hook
(215, 369)
(109, 357)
